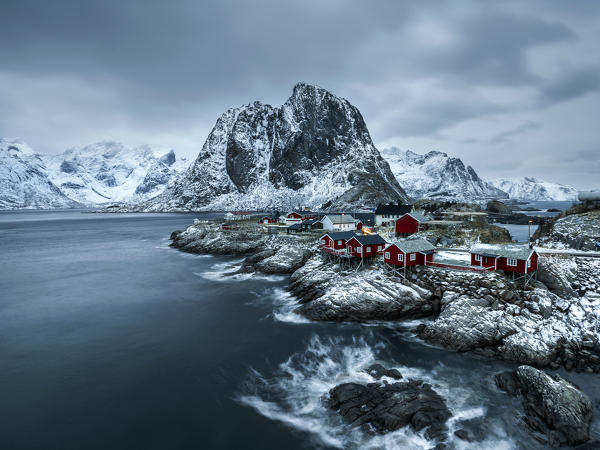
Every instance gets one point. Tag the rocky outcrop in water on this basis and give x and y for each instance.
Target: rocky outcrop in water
(314, 149)
(328, 293)
(272, 254)
(556, 411)
(382, 407)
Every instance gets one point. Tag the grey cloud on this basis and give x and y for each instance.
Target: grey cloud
(158, 71)
(520, 129)
(570, 86)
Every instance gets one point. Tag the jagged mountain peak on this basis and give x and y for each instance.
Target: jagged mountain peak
(311, 150)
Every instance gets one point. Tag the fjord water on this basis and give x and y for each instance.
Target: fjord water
(111, 339)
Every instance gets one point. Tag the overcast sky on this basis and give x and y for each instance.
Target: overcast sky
(512, 88)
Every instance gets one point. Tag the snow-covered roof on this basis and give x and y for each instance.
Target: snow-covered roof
(419, 217)
(414, 245)
(340, 218)
(505, 250)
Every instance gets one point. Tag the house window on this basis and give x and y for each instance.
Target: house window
(528, 263)
(400, 257)
(413, 256)
(323, 241)
(387, 255)
(379, 248)
(368, 250)
(511, 262)
(358, 250)
(477, 257)
(339, 242)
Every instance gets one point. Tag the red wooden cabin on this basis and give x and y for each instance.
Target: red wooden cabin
(366, 246)
(268, 220)
(511, 258)
(410, 252)
(336, 240)
(411, 223)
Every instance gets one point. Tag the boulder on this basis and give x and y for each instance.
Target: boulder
(381, 407)
(552, 405)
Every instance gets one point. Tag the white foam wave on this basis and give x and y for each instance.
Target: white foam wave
(228, 272)
(294, 396)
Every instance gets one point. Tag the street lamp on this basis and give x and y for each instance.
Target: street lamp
(529, 231)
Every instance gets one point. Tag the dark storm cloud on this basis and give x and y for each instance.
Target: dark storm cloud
(161, 72)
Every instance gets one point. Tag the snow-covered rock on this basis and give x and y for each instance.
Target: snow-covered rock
(576, 231)
(313, 150)
(110, 172)
(24, 181)
(534, 189)
(438, 176)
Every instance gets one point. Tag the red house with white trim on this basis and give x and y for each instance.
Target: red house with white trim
(409, 252)
(511, 258)
(335, 241)
(366, 245)
(411, 223)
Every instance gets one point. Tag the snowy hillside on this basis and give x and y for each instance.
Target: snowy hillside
(24, 182)
(439, 176)
(533, 189)
(110, 172)
(314, 150)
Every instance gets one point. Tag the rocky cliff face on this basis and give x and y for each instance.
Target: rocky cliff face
(438, 176)
(315, 149)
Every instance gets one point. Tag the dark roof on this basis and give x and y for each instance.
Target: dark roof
(393, 209)
(414, 245)
(365, 218)
(309, 222)
(370, 239)
(296, 226)
(343, 235)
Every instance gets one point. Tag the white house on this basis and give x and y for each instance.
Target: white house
(339, 222)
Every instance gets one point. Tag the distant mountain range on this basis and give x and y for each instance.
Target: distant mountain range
(438, 176)
(534, 189)
(97, 174)
(314, 150)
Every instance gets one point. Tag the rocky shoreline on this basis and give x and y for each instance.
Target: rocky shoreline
(551, 323)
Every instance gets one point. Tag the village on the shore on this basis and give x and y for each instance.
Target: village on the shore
(397, 235)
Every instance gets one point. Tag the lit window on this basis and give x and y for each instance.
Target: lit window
(387, 255)
(400, 257)
(413, 256)
(511, 262)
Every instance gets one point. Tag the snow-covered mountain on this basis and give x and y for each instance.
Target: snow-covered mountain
(110, 172)
(89, 176)
(439, 176)
(533, 189)
(313, 150)
(24, 181)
